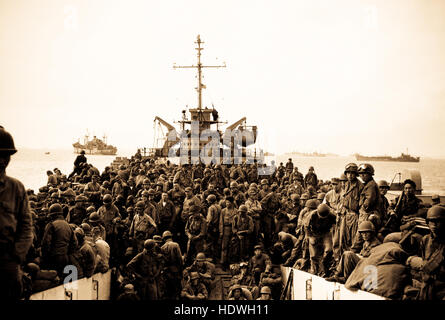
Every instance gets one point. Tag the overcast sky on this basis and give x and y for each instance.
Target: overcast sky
(339, 76)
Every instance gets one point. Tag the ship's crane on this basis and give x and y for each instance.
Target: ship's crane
(171, 138)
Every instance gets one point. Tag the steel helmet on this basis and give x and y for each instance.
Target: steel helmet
(145, 193)
(146, 181)
(321, 196)
(6, 142)
(242, 208)
(200, 257)
(55, 209)
(435, 197)
(140, 204)
(107, 198)
(236, 287)
(91, 209)
(167, 234)
(80, 234)
(149, 244)
(323, 210)
(383, 184)
(351, 167)
(82, 152)
(295, 197)
(265, 290)
(94, 217)
(366, 168)
(32, 268)
(312, 204)
(211, 198)
(233, 184)
(85, 227)
(264, 181)
(435, 213)
(194, 275)
(129, 251)
(157, 238)
(304, 196)
(243, 265)
(80, 198)
(366, 226)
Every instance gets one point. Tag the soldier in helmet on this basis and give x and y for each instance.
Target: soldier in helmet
(237, 292)
(430, 262)
(435, 199)
(80, 159)
(311, 179)
(86, 256)
(204, 268)
(242, 228)
(146, 267)
(369, 202)
(255, 211)
(350, 206)
(167, 213)
(194, 289)
(333, 200)
(58, 241)
(15, 223)
(92, 191)
(195, 230)
(349, 259)
(384, 203)
(225, 229)
(264, 185)
(190, 201)
(319, 224)
(271, 204)
(142, 227)
(173, 266)
(183, 177)
(108, 212)
(213, 214)
(237, 195)
(289, 165)
(259, 263)
(266, 293)
(245, 279)
(408, 207)
(151, 205)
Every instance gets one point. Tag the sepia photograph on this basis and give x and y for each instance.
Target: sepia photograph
(204, 151)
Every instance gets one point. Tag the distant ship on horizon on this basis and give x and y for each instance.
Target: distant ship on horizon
(312, 154)
(95, 146)
(404, 157)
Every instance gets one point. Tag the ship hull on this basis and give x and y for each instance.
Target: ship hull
(362, 158)
(96, 152)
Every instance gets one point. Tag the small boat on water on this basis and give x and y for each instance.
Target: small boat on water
(47, 152)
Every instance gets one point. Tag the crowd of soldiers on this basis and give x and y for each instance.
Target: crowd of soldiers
(164, 229)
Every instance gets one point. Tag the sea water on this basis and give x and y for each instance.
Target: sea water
(30, 166)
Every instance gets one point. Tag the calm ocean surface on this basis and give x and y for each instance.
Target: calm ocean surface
(30, 166)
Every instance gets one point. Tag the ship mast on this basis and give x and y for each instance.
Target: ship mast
(199, 66)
